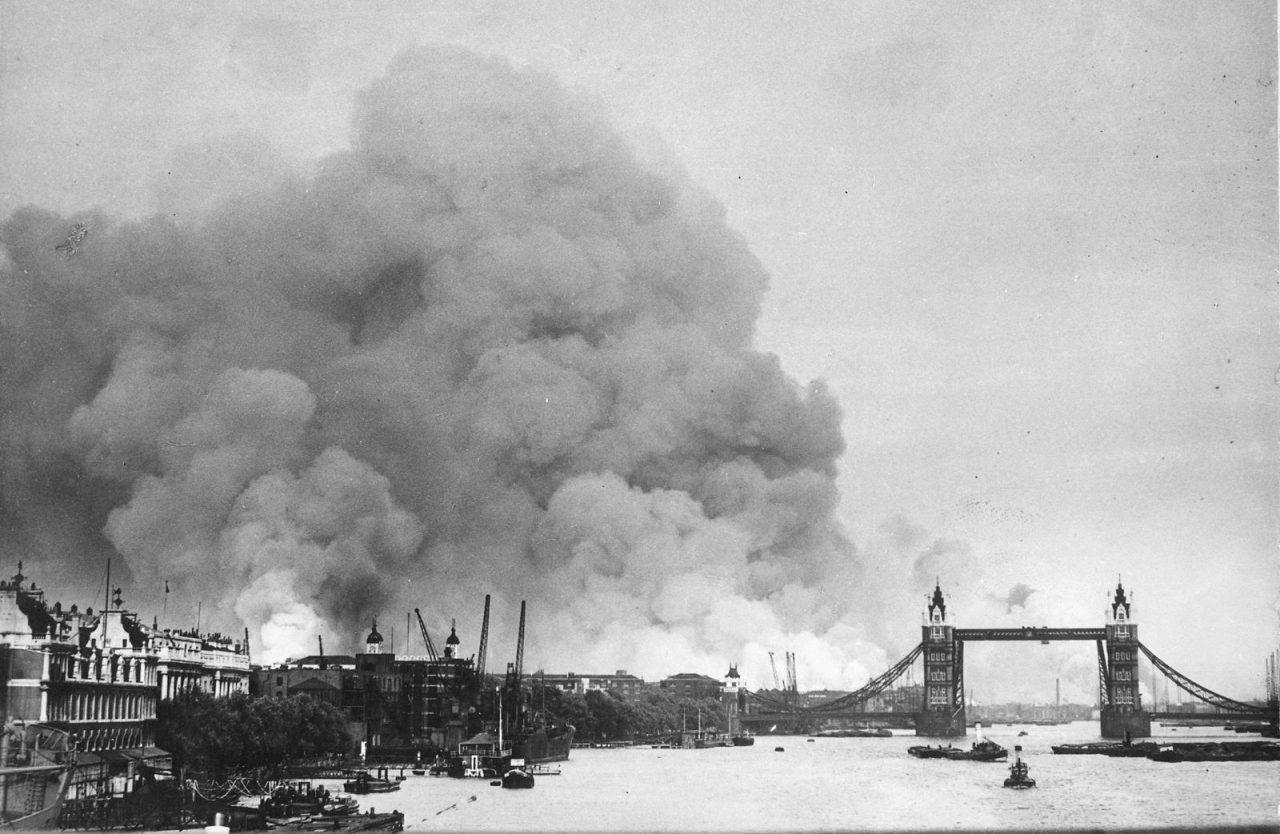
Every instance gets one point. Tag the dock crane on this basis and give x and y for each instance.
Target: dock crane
(777, 684)
(515, 672)
(426, 638)
(792, 684)
(484, 641)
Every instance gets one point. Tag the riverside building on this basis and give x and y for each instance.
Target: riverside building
(100, 677)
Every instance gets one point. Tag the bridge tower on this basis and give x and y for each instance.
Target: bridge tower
(1121, 708)
(942, 713)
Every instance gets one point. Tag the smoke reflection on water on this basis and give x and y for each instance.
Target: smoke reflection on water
(835, 784)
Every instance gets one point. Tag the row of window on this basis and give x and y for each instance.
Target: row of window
(92, 705)
(117, 668)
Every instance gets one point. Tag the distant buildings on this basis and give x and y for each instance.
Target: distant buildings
(620, 685)
(692, 685)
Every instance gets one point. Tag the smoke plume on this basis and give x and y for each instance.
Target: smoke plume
(484, 351)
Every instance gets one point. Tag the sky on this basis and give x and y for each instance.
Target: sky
(1029, 250)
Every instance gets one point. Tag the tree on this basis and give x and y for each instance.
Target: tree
(221, 736)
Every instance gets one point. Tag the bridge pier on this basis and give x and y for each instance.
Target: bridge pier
(1118, 722)
(941, 724)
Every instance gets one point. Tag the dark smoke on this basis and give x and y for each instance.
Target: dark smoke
(1016, 598)
(483, 351)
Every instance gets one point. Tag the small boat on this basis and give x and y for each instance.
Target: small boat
(1087, 748)
(36, 771)
(339, 805)
(858, 732)
(981, 751)
(365, 782)
(779, 749)
(517, 778)
(1018, 777)
(542, 770)
(743, 740)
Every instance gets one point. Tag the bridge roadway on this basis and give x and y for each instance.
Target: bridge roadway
(765, 717)
(1042, 633)
(1260, 715)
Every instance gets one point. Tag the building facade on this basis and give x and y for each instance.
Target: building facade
(101, 676)
(621, 685)
(691, 685)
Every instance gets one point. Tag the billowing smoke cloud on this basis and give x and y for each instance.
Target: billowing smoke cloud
(483, 351)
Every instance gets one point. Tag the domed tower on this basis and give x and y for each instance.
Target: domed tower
(451, 643)
(1122, 712)
(942, 713)
(373, 643)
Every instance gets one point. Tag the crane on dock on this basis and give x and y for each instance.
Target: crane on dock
(484, 641)
(515, 671)
(426, 638)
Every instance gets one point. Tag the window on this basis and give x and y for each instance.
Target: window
(935, 633)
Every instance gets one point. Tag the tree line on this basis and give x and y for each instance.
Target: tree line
(600, 716)
(221, 736)
(240, 732)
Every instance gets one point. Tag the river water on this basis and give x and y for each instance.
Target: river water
(852, 784)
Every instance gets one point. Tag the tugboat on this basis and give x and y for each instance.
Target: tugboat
(517, 777)
(1018, 777)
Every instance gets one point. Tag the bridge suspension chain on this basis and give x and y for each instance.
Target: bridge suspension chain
(772, 703)
(1104, 676)
(1203, 693)
(873, 688)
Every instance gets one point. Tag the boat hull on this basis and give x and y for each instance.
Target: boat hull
(540, 745)
(517, 778)
(41, 760)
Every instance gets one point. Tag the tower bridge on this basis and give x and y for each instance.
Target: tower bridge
(941, 710)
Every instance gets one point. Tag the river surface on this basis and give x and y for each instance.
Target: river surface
(852, 784)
